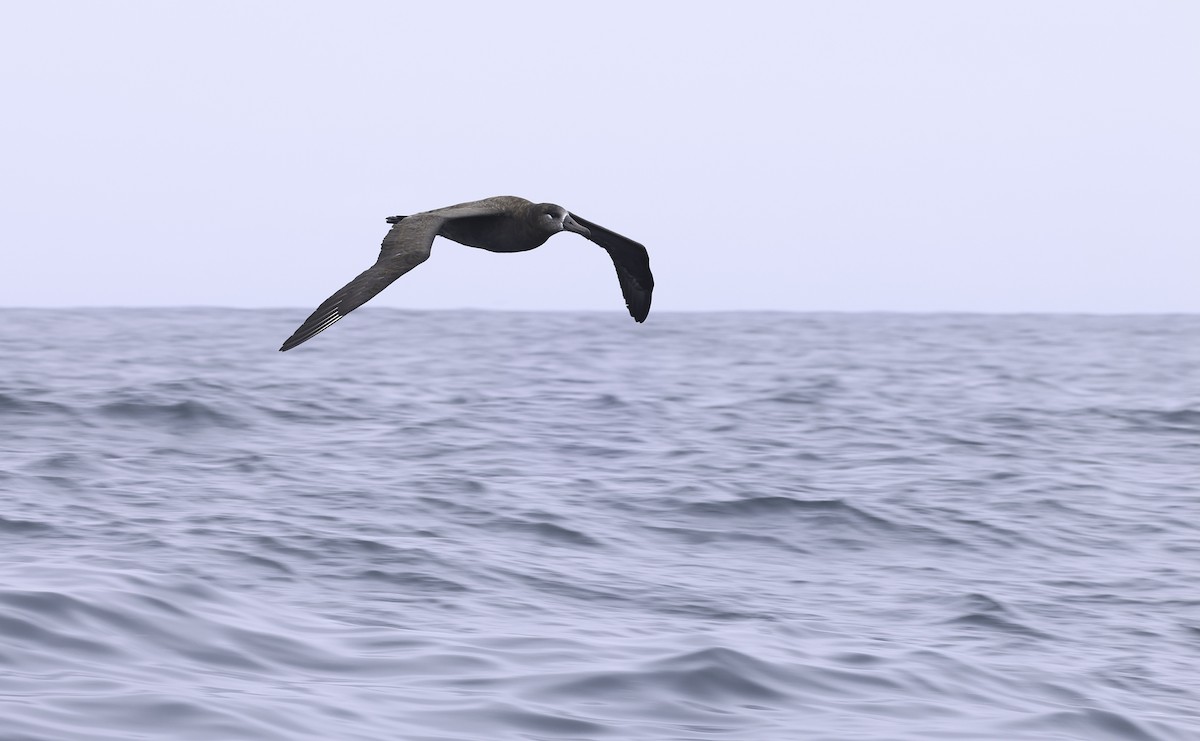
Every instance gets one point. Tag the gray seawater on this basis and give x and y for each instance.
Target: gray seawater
(491, 526)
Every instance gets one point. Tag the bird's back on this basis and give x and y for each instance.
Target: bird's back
(510, 229)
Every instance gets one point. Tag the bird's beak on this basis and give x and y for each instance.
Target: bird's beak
(570, 225)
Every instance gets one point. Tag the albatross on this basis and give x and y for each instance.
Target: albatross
(499, 224)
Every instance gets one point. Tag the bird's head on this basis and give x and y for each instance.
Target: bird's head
(553, 218)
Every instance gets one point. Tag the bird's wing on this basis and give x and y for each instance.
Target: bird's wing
(633, 267)
(487, 207)
(406, 246)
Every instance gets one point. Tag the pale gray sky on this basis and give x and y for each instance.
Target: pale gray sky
(979, 156)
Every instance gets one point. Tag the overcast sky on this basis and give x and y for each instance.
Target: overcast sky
(977, 156)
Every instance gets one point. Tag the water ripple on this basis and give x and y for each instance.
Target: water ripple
(462, 526)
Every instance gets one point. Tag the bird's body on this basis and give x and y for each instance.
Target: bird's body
(498, 224)
(511, 230)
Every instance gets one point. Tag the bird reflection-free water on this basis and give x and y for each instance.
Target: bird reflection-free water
(464, 525)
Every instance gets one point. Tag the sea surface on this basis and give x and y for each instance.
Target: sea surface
(490, 526)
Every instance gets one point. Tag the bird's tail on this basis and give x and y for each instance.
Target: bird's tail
(395, 219)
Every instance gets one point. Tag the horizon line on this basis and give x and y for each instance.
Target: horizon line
(976, 312)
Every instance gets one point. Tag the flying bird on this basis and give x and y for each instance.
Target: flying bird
(499, 224)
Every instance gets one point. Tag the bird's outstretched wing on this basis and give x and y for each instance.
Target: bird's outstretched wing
(405, 246)
(632, 264)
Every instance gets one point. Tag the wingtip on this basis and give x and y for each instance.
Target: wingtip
(297, 339)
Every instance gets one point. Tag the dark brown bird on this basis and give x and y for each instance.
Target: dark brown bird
(499, 224)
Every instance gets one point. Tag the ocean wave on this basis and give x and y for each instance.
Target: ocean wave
(180, 416)
(444, 525)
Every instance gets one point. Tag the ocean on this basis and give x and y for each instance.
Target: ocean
(489, 526)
